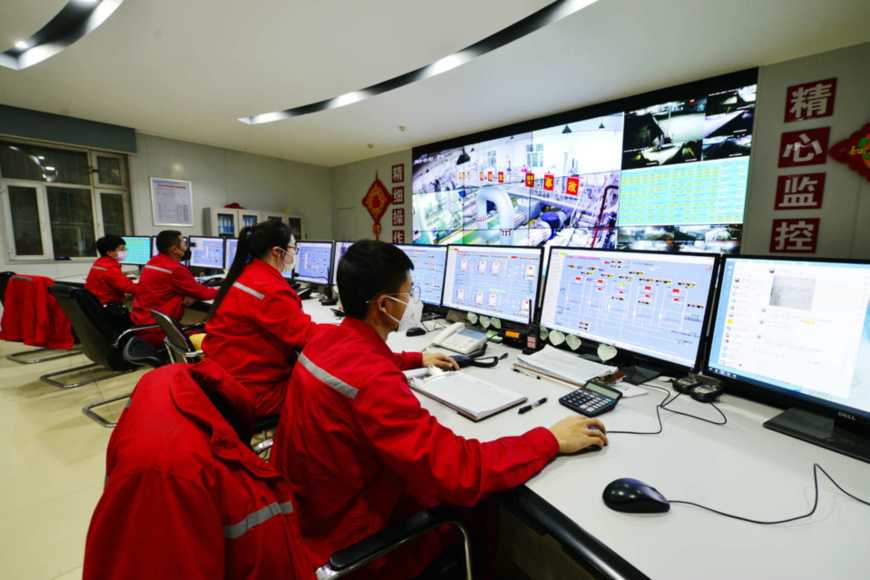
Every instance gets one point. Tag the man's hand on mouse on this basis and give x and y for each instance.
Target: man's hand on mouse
(440, 360)
(576, 433)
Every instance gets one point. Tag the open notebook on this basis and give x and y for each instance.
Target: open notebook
(470, 396)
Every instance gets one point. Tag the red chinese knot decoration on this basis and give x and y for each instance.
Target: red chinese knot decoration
(855, 151)
(376, 201)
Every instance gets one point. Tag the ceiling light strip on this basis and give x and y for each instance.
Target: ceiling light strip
(547, 15)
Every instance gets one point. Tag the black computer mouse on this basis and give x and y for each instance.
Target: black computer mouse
(634, 497)
(416, 331)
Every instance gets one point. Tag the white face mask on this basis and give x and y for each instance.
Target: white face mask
(121, 256)
(411, 317)
(285, 265)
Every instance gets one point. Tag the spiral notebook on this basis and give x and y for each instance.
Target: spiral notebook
(468, 395)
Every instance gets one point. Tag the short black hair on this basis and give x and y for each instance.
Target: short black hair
(167, 239)
(108, 244)
(367, 269)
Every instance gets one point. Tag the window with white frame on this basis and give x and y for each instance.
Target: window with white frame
(58, 201)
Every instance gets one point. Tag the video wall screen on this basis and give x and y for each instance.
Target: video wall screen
(665, 174)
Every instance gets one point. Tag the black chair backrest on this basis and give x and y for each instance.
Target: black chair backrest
(4, 280)
(173, 331)
(139, 352)
(92, 326)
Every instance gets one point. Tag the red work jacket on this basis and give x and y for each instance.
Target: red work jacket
(255, 332)
(184, 496)
(162, 286)
(107, 282)
(362, 453)
(31, 315)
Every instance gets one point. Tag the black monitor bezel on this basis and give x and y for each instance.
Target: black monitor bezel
(334, 267)
(150, 249)
(769, 394)
(532, 312)
(224, 257)
(443, 278)
(330, 276)
(702, 350)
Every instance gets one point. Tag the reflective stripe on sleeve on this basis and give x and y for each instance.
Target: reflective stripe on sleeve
(164, 270)
(329, 380)
(98, 268)
(250, 291)
(257, 518)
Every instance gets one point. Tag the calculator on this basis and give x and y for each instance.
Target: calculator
(593, 399)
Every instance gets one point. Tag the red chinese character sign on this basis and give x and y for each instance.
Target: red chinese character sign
(798, 236)
(399, 173)
(501, 176)
(855, 151)
(800, 191)
(398, 195)
(376, 201)
(572, 187)
(398, 237)
(807, 147)
(810, 101)
(530, 180)
(399, 216)
(549, 181)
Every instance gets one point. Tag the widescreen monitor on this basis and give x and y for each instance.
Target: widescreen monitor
(313, 262)
(138, 250)
(798, 331)
(429, 266)
(230, 252)
(645, 303)
(495, 281)
(206, 252)
(338, 252)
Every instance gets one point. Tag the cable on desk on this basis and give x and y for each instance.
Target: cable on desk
(724, 418)
(816, 469)
(664, 405)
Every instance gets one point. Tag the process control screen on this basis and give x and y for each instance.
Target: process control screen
(501, 282)
(313, 262)
(138, 250)
(206, 252)
(428, 274)
(230, 254)
(650, 304)
(340, 249)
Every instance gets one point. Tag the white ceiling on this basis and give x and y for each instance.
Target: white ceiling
(189, 69)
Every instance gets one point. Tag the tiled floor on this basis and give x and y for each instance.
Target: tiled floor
(52, 464)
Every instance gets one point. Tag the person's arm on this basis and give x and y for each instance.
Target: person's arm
(154, 525)
(119, 282)
(433, 459)
(182, 281)
(282, 316)
(408, 360)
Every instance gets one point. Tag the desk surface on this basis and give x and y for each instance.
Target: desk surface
(739, 468)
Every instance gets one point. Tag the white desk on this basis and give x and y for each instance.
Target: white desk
(740, 468)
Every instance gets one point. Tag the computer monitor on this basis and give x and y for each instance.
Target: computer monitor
(230, 252)
(429, 267)
(206, 252)
(338, 252)
(496, 281)
(648, 304)
(796, 332)
(154, 251)
(313, 262)
(138, 250)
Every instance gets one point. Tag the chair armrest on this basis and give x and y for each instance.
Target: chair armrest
(117, 342)
(366, 550)
(192, 327)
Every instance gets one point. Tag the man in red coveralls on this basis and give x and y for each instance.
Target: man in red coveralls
(105, 280)
(166, 285)
(360, 451)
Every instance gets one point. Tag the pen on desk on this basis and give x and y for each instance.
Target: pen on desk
(528, 408)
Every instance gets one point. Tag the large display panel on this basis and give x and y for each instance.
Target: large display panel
(138, 250)
(429, 267)
(313, 262)
(206, 252)
(798, 330)
(666, 171)
(230, 253)
(650, 304)
(500, 282)
(338, 252)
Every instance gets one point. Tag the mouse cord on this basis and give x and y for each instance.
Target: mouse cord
(664, 405)
(722, 422)
(816, 469)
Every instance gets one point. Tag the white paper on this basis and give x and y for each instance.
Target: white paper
(475, 396)
(172, 202)
(564, 365)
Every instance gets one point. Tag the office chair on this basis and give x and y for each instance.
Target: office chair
(177, 343)
(40, 354)
(137, 351)
(101, 341)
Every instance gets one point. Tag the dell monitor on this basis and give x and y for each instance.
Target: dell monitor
(138, 250)
(338, 253)
(429, 266)
(651, 306)
(796, 332)
(495, 281)
(206, 252)
(313, 262)
(230, 252)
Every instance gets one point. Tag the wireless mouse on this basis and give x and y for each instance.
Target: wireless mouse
(634, 497)
(416, 331)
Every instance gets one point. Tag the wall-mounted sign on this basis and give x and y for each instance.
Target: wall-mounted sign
(398, 195)
(810, 101)
(399, 173)
(855, 151)
(800, 191)
(807, 147)
(798, 236)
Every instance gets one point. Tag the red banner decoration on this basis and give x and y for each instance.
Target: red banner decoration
(376, 201)
(800, 191)
(855, 151)
(399, 216)
(798, 236)
(398, 195)
(807, 147)
(489, 176)
(481, 175)
(549, 180)
(399, 173)
(530, 180)
(501, 176)
(572, 187)
(398, 237)
(810, 100)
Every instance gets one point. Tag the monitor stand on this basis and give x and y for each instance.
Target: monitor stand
(823, 431)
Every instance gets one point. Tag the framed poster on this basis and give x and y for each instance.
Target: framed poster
(172, 202)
